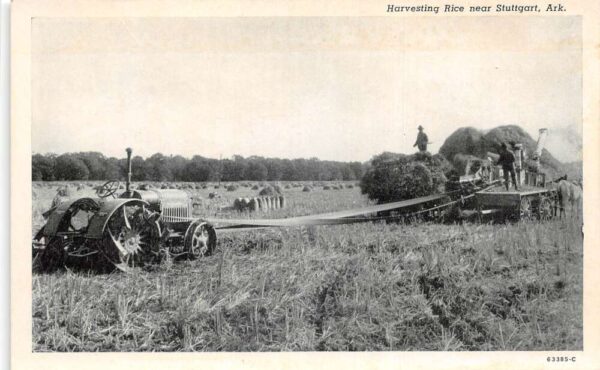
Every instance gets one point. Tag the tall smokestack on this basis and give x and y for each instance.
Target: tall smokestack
(540, 143)
(128, 150)
(540, 146)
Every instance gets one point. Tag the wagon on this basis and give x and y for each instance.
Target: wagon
(535, 201)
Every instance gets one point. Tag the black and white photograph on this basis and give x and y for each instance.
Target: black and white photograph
(406, 182)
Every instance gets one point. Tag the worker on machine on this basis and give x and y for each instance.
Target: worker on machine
(422, 140)
(507, 161)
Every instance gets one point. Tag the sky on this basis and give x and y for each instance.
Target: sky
(335, 88)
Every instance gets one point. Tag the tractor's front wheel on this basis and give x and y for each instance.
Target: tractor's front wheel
(200, 239)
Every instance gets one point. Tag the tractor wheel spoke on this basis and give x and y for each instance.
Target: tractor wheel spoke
(127, 224)
(118, 244)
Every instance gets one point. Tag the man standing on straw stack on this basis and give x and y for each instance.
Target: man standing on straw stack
(422, 140)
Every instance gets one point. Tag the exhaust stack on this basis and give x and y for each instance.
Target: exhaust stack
(539, 147)
(540, 144)
(128, 150)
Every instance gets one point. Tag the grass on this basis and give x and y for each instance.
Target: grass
(376, 287)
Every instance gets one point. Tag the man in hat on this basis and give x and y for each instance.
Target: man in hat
(507, 161)
(422, 140)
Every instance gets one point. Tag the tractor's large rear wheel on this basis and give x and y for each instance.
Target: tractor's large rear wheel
(131, 238)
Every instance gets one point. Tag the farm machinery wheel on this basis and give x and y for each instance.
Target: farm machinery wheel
(545, 209)
(131, 238)
(200, 239)
(526, 211)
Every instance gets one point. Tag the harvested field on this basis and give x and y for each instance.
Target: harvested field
(375, 287)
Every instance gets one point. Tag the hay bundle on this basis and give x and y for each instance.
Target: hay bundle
(214, 195)
(270, 190)
(237, 204)
(255, 187)
(307, 189)
(395, 177)
(253, 205)
(259, 204)
(196, 201)
(281, 201)
(349, 186)
(232, 187)
(326, 187)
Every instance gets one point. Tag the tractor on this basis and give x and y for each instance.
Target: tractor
(133, 228)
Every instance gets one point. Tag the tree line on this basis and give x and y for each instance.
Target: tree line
(159, 167)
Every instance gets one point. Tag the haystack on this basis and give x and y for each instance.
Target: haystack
(465, 140)
(393, 177)
(270, 190)
(468, 141)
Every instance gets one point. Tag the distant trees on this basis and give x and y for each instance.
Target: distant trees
(158, 167)
(70, 167)
(43, 167)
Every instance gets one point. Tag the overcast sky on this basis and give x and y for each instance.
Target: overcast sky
(332, 88)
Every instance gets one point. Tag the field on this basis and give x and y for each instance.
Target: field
(376, 287)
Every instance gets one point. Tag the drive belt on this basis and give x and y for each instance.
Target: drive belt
(351, 216)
